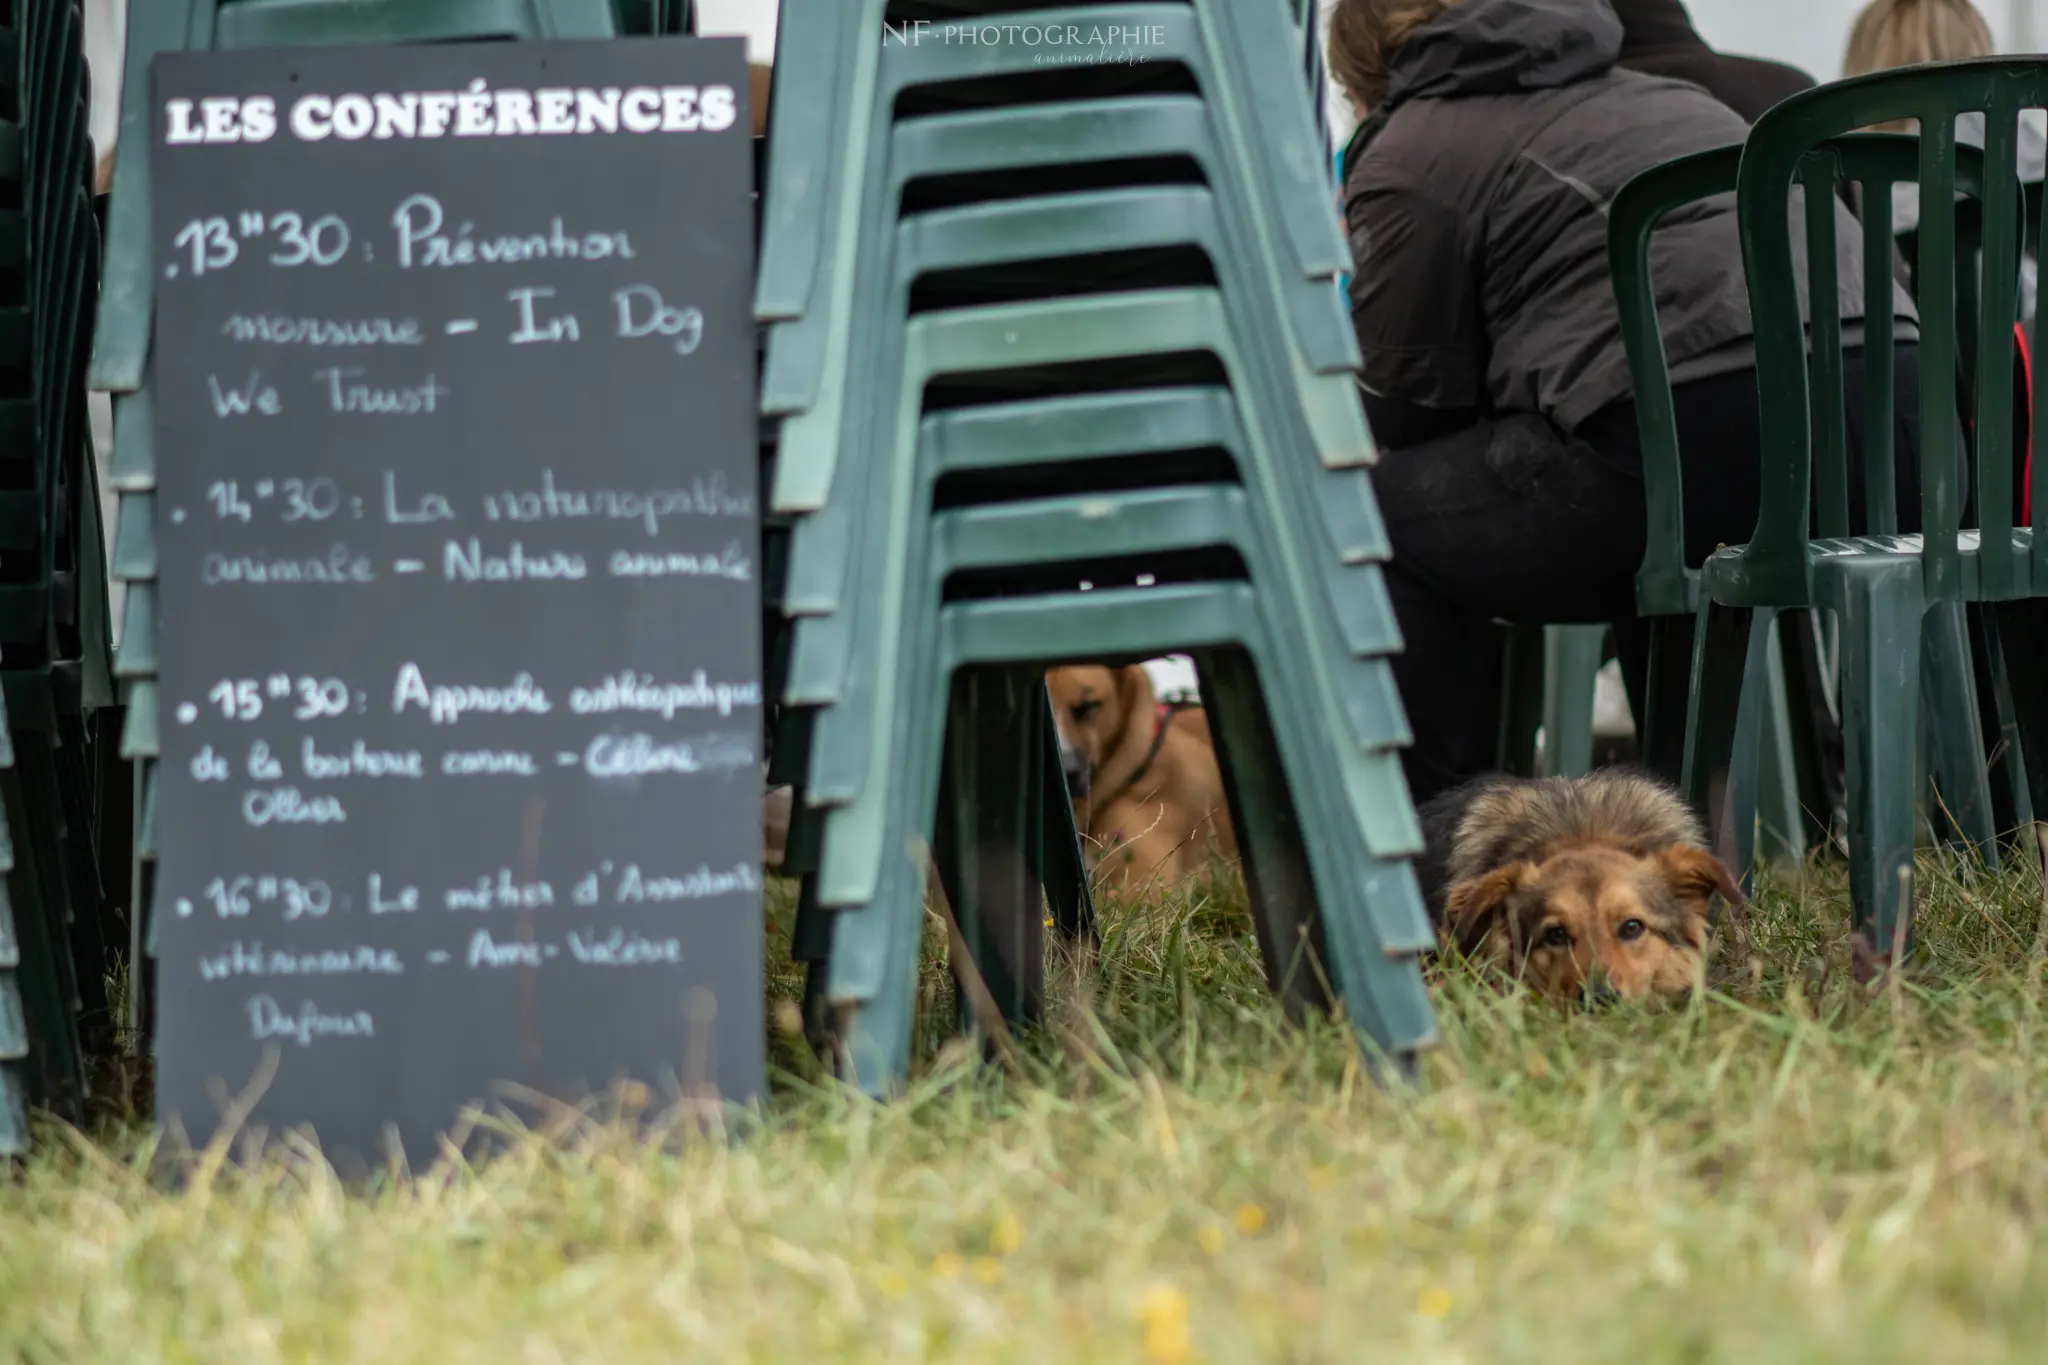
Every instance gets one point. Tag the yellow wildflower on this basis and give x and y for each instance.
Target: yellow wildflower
(988, 1269)
(1164, 1311)
(1434, 1303)
(1210, 1238)
(1007, 1235)
(1251, 1219)
(947, 1265)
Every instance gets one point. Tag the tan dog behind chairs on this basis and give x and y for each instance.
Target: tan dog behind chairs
(1148, 794)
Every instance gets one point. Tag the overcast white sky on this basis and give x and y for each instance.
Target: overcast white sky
(1807, 33)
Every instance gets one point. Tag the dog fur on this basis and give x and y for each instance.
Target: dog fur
(777, 809)
(1583, 888)
(1147, 815)
(760, 84)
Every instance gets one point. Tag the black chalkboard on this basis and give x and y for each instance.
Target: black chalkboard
(458, 519)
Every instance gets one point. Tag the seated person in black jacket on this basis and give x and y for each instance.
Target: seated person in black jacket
(1496, 132)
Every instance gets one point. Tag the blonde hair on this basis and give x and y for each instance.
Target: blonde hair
(1365, 34)
(1895, 33)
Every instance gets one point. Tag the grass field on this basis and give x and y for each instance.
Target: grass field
(1790, 1170)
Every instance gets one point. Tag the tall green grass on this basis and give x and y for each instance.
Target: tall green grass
(1794, 1168)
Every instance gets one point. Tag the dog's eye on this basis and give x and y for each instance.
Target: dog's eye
(1631, 930)
(1085, 709)
(1556, 936)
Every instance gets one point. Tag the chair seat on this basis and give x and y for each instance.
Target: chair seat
(1727, 579)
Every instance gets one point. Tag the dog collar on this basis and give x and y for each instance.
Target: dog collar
(1167, 711)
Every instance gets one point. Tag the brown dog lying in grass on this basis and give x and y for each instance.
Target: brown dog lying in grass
(1148, 794)
(1586, 888)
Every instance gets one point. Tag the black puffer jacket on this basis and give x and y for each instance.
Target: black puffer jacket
(1477, 197)
(1658, 39)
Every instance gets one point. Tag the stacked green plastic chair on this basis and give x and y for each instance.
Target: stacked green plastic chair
(120, 358)
(54, 909)
(1884, 587)
(1057, 371)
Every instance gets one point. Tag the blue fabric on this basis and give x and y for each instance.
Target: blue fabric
(1337, 168)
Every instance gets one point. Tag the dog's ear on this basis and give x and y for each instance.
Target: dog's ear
(1474, 908)
(1134, 693)
(1695, 874)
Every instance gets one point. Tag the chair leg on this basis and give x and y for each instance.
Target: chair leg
(870, 1028)
(1736, 832)
(1063, 869)
(1955, 728)
(988, 803)
(2012, 806)
(1721, 649)
(1781, 827)
(1816, 730)
(1270, 846)
(1571, 664)
(1662, 714)
(1880, 616)
(1521, 699)
(2023, 637)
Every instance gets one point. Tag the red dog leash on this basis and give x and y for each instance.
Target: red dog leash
(1167, 711)
(2027, 375)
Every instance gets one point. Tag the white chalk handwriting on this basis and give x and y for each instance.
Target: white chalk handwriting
(268, 1019)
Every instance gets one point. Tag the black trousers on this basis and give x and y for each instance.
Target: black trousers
(1514, 521)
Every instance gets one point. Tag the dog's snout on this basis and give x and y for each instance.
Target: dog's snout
(1075, 767)
(1601, 993)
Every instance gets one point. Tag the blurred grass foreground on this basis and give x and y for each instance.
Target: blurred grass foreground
(1793, 1168)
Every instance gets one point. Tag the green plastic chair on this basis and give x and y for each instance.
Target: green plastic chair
(1093, 329)
(791, 247)
(874, 945)
(1059, 337)
(817, 138)
(1003, 836)
(54, 955)
(1667, 589)
(1572, 656)
(886, 606)
(808, 355)
(652, 18)
(1252, 36)
(858, 869)
(2011, 797)
(15, 1041)
(1880, 586)
(813, 446)
(821, 574)
(1036, 230)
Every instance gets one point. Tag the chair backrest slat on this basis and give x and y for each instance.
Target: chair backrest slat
(1824, 354)
(1880, 476)
(2038, 402)
(2001, 226)
(1663, 587)
(1940, 509)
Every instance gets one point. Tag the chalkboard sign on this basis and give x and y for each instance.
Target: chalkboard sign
(457, 516)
